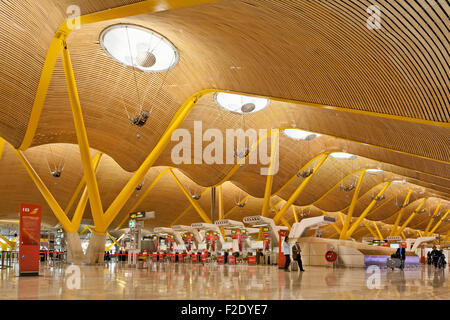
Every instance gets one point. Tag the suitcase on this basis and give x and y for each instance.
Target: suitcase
(294, 265)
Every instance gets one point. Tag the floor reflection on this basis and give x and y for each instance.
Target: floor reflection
(212, 281)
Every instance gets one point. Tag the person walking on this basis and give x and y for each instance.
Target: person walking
(296, 255)
(287, 254)
(435, 256)
(402, 258)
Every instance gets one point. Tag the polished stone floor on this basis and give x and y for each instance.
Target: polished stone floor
(211, 281)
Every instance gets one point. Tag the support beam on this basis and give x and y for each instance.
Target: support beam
(142, 197)
(349, 217)
(221, 213)
(81, 207)
(294, 212)
(51, 201)
(338, 230)
(370, 229)
(235, 206)
(2, 146)
(181, 215)
(74, 196)
(196, 206)
(410, 217)
(340, 217)
(439, 222)
(83, 143)
(432, 218)
(365, 212)
(378, 231)
(400, 213)
(285, 223)
(403, 235)
(299, 189)
(269, 180)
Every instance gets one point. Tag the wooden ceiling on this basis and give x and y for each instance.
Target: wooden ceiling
(320, 54)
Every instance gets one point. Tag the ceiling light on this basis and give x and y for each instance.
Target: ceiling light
(139, 47)
(399, 181)
(375, 171)
(298, 134)
(343, 156)
(239, 103)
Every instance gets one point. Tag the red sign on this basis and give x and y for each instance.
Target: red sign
(194, 258)
(232, 260)
(180, 258)
(155, 257)
(251, 260)
(404, 245)
(220, 259)
(29, 239)
(331, 256)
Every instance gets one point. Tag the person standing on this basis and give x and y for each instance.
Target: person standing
(287, 254)
(435, 256)
(296, 255)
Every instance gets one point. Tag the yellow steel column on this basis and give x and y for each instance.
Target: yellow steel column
(284, 222)
(403, 235)
(128, 190)
(221, 213)
(410, 217)
(299, 190)
(81, 207)
(400, 213)
(378, 231)
(182, 214)
(85, 153)
(370, 229)
(349, 217)
(365, 212)
(2, 146)
(432, 218)
(74, 196)
(196, 206)
(53, 204)
(295, 213)
(269, 180)
(338, 230)
(439, 222)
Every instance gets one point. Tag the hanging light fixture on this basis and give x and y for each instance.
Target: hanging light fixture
(239, 103)
(343, 156)
(375, 171)
(139, 47)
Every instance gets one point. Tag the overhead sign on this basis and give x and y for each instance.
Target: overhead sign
(29, 239)
(132, 223)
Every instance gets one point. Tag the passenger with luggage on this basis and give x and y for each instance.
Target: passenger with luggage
(287, 254)
(441, 260)
(296, 255)
(435, 256)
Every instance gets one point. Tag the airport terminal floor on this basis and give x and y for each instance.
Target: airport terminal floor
(228, 282)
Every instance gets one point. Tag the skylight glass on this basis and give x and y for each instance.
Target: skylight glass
(239, 103)
(298, 134)
(343, 156)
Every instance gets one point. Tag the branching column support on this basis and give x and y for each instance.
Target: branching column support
(349, 217)
(370, 229)
(439, 222)
(299, 190)
(432, 218)
(269, 180)
(365, 212)
(410, 217)
(380, 236)
(400, 213)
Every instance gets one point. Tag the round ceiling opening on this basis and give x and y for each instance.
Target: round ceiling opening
(298, 134)
(139, 47)
(239, 103)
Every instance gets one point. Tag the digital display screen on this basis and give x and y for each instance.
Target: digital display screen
(233, 231)
(243, 231)
(395, 245)
(265, 229)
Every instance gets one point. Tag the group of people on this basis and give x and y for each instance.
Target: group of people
(296, 254)
(436, 257)
(400, 254)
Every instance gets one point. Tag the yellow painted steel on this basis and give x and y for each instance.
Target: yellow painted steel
(146, 6)
(405, 224)
(403, 235)
(439, 222)
(59, 213)
(294, 213)
(432, 218)
(301, 187)
(113, 240)
(338, 230)
(285, 223)
(370, 229)
(221, 212)
(2, 146)
(74, 196)
(10, 221)
(81, 207)
(340, 217)
(380, 236)
(235, 206)
(86, 228)
(196, 206)
(8, 242)
(128, 190)
(420, 233)
(182, 214)
(83, 143)
(143, 197)
(349, 217)
(269, 180)
(365, 212)
(400, 213)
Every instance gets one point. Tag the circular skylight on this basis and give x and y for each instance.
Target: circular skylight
(298, 134)
(343, 156)
(139, 47)
(239, 103)
(375, 171)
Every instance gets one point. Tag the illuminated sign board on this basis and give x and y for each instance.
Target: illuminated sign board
(132, 223)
